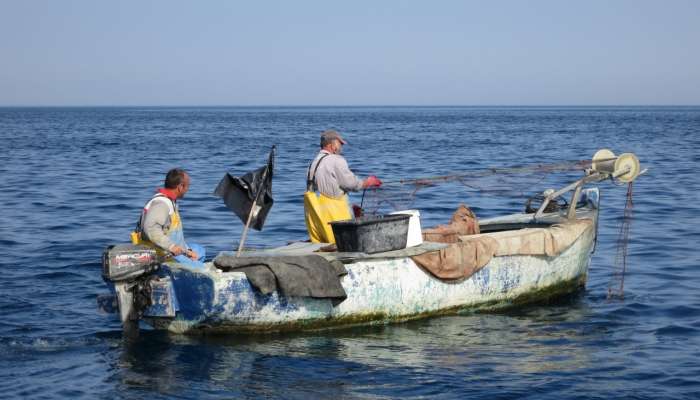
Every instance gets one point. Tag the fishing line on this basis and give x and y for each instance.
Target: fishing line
(399, 194)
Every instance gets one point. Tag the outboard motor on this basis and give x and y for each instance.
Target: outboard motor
(126, 265)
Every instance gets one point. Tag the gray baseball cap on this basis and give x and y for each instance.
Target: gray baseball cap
(331, 134)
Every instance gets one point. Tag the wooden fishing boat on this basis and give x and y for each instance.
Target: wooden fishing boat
(529, 265)
(515, 259)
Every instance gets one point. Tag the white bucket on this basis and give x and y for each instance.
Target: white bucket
(415, 235)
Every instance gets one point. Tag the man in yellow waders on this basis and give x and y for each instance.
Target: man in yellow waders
(330, 175)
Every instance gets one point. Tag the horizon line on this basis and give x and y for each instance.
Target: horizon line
(340, 106)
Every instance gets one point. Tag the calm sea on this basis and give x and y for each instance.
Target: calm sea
(74, 179)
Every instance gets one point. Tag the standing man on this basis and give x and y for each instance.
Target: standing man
(160, 225)
(330, 175)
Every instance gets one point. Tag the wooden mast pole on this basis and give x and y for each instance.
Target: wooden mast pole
(250, 214)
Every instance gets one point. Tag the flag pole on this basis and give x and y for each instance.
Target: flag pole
(252, 207)
(250, 216)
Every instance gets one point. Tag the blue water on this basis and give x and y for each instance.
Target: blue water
(74, 179)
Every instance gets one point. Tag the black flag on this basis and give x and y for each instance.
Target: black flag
(239, 193)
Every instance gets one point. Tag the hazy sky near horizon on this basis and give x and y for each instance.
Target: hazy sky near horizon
(358, 52)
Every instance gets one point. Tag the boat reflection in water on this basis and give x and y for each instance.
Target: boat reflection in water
(532, 341)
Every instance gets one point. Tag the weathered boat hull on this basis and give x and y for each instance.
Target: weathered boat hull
(534, 260)
(379, 290)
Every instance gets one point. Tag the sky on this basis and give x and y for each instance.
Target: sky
(296, 53)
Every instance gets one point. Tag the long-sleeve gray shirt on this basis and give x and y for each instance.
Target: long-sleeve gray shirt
(156, 222)
(333, 177)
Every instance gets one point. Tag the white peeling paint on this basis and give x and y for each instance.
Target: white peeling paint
(392, 289)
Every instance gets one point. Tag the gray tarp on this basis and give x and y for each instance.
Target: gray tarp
(302, 276)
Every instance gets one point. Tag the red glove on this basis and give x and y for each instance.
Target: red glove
(357, 211)
(372, 181)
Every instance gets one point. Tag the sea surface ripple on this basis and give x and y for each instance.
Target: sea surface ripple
(74, 180)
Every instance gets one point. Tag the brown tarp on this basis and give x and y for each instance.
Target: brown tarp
(458, 260)
(463, 222)
(472, 252)
(550, 241)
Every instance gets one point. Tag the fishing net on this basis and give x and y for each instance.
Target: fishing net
(617, 283)
(525, 182)
(519, 182)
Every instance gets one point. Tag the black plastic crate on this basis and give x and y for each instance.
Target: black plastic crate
(372, 234)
